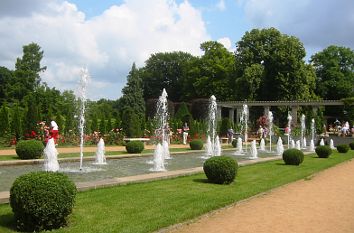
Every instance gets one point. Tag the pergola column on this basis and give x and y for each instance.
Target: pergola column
(232, 115)
(238, 114)
(218, 113)
(266, 110)
(294, 110)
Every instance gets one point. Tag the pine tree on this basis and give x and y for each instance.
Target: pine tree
(16, 124)
(133, 105)
(4, 119)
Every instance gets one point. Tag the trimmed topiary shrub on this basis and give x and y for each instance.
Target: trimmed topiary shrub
(343, 148)
(293, 156)
(234, 143)
(196, 144)
(323, 151)
(220, 169)
(351, 145)
(42, 200)
(134, 147)
(29, 149)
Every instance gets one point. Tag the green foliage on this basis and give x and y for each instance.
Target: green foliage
(323, 151)
(220, 169)
(131, 123)
(293, 156)
(224, 126)
(29, 149)
(271, 66)
(132, 105)
(351, 145)
(334, 70)
(343, 148)
(196, 144)
(4, 119)
(42, 200)
(214, 72)
(234, 143)
(134, 147)
(183, 113)
(168, 70)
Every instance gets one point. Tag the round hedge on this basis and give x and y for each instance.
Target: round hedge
(196, 144)
(134, 147)
(29, 149)
(234, 143)
(343, 148)
(323, 151)
(293, 156)
(220, 169)
(42, 200)
(351, 145)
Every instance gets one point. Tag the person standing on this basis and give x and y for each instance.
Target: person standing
(54, 131)
(185, 129)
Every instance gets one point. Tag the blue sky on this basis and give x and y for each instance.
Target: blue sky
(107, 36)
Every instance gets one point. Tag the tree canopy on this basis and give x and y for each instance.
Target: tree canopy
(271, 66)
(334, 68)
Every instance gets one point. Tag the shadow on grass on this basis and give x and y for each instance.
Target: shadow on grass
(201, 180)
(8, 221)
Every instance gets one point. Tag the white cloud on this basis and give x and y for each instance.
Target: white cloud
(107, 44)
(318, 23)
(227, 43)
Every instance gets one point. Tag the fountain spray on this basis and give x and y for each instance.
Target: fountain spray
(290, 118)
(82, 95)
(270, 124)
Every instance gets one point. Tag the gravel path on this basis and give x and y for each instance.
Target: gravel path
(323, 203)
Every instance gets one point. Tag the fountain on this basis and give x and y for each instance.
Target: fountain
(303, 128)
(262, 145)
(162, 150)
(280, 147)
(292, 145)
(239, 146)
(331, 144)
(100, 157)
(253, 152)
(290, 118)
(270, 125)
(213, 147)
(298, 145)
(51, 157)
(312, 144)
(244, 123)
(82, 95)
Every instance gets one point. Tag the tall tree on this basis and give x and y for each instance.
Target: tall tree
(271, 66)
(16, 122)
(27, 74)
(214, 74)
(4, 119)
(5, 78)
(169, 71)
(133, 105)
(334, 68)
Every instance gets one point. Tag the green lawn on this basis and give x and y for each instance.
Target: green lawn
(147, 207)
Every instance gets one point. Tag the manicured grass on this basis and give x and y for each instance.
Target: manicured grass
(147, 207)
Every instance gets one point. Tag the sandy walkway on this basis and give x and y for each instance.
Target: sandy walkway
(322, 204)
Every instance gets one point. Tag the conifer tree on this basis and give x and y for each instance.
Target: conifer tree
(4, 119)
(133, 105)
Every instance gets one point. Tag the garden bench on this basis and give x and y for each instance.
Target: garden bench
(144, 140)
